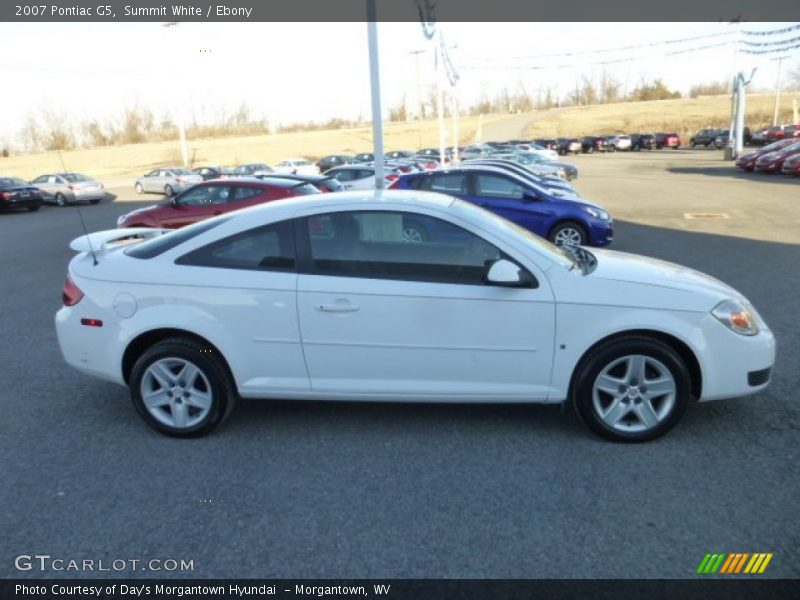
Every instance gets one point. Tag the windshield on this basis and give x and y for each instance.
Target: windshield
(75, 177)
(539, 245)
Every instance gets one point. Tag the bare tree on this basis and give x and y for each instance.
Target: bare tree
(609, 88)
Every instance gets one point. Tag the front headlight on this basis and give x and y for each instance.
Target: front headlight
(736, 316)
(596, 212)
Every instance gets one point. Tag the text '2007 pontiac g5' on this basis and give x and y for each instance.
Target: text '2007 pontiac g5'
(333, 298)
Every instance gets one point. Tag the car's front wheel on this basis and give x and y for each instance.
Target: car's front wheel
(632, 389)
(138, 187)
(182, 388)
(569, 233)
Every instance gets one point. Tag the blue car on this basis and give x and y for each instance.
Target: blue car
(561, 220)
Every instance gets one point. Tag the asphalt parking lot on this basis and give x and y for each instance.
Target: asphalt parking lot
(308, 489)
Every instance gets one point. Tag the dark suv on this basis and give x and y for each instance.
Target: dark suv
(643, 141)
(568, 146)
(704, 137)
(592, 143)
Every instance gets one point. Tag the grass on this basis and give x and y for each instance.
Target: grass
(684, 116)
(135, 159)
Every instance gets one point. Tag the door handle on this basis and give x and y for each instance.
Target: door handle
(338, 306)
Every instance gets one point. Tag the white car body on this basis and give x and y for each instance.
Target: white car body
(621, 142)
(295, 335)
(299, 166)
(356, 177)
(541, 151)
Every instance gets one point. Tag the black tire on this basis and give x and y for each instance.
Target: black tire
(60, 199)
(563, 225)
(210, 364)
(168, 191)
(595, 362)
(34, 208)
(138, 187)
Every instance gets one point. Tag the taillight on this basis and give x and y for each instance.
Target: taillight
(392, 178)
(395, 183)
(6, 195)
(71, 294)
(70, 186)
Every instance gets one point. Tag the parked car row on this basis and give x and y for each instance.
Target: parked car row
(620, 142)
(55, 188)
(782, 156)
(767, 135)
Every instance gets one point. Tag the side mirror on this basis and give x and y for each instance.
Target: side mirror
(505, 273)
(529, 197)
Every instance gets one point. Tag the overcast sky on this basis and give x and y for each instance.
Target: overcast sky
(314, 71)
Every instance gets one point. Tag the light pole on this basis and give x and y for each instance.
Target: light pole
(780, 60)
(179, 117)
(375, 92)
(416, 54)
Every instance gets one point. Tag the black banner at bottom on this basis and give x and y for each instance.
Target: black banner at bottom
(400, 589)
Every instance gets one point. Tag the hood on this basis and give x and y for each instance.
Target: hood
(144, 209)
(767, 156)
(632, 268)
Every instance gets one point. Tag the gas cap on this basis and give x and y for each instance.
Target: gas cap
(125, 305)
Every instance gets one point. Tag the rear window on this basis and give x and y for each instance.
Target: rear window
(75, 177)
(305, 189)
(182, 172)
(11, 181)
(168, 241)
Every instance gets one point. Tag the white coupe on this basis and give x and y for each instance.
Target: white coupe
(400, 296)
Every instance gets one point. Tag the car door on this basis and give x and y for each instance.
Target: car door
(41, 183)
(248, 282)
(511, 200)
(199, 203)
(381, 316)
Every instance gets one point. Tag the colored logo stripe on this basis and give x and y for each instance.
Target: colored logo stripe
(734, 562)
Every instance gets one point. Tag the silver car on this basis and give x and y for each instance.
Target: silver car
(168, 181)
(69, 188)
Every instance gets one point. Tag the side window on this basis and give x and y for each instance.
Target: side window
(198, 196)
(363, 174)
(42, 179)
(245, 193)
(52, 179)
(344, 175)
(452, 183)
(493, 186)
(397, 245)
(268, 248)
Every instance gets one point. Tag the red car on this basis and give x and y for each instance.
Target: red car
(213, 198)
(791, 166)
(772, 162)
(782, 132)
(748, 161)
(668, 140)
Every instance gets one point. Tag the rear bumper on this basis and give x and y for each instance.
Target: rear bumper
(21, 203)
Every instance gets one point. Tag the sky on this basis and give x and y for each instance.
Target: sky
(292, 72)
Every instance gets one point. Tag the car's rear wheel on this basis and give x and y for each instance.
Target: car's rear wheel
(632, 389)
(60, 199)
(138, 187)
(168, 191)
(569, 233)
(182, 388)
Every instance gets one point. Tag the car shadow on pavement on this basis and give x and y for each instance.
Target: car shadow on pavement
(736, 173)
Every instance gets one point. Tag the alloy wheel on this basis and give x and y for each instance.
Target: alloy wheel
(634, 393)
(568, 236)
(176, 392)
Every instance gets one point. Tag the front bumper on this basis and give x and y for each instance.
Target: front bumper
(601, 233)
(734, 365)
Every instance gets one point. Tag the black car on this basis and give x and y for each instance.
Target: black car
(399, 154)
(363, 157)
(643, 141)
(705, 137)
(16, 193)
(213, 172)
(593, 143)
(434, 153)
(324, 183)
(548, 143)
(333, 160)
(568, 146)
